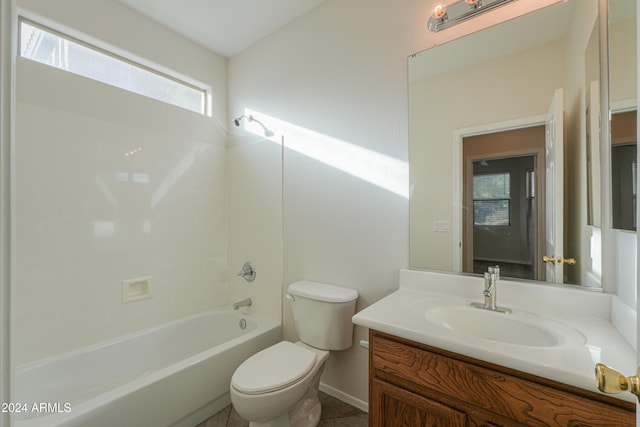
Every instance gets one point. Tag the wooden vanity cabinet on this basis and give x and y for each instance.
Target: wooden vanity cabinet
(412, 384)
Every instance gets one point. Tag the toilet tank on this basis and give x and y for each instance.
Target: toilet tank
(322, 314)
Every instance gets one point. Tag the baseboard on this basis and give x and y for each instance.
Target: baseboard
(346, 398)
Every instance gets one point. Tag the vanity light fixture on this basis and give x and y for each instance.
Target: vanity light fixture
(447, 16)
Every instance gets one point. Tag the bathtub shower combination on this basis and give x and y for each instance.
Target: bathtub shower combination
(176, 374)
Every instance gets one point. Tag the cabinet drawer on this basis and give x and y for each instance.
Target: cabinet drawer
(519, 399)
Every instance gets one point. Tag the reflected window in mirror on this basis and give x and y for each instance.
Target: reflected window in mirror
(491, 197)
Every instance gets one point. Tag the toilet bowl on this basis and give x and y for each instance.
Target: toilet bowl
(268, 392)
(278, 386)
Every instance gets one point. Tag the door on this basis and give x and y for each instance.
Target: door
(554, 141)
(394, 406)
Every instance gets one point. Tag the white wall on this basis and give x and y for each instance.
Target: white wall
(334, 83)
(622, 71)
(83, 222)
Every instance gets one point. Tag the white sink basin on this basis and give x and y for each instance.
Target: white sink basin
(516, 328)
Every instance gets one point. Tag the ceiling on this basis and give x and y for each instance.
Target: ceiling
(227, 27)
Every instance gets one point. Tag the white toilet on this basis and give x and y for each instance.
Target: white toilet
(278, 386)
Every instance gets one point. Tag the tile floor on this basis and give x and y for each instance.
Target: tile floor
(335, 413)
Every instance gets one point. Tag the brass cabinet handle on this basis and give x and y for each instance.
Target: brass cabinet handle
(611, 381)
(559, 260)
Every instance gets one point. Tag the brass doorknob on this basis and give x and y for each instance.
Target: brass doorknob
(611, 381)
(559, 260)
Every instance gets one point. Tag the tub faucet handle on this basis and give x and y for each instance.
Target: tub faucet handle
(248, 272)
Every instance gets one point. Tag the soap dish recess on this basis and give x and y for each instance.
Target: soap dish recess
(136, 289)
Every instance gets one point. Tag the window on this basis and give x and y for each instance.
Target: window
(491, 194)
(57, 50)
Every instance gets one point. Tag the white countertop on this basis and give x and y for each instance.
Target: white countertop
(587, 311)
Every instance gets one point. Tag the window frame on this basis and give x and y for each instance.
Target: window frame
(206, 106)
(482, 200)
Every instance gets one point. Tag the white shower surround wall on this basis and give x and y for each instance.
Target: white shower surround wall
(113, 186)
(174, 374)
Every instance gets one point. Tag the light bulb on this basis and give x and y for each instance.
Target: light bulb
(439, 11)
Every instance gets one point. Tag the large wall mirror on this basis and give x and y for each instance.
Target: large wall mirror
(622, 83)
(500, 149)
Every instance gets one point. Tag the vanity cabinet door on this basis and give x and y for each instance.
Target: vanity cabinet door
(394, 406)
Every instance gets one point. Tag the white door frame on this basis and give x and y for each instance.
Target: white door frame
(457, 202)
(8, 20)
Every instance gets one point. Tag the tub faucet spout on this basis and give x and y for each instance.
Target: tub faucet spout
(244, 303)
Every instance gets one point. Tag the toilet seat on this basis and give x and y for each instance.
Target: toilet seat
(273, 368)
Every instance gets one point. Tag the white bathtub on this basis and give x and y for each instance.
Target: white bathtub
(176, 374)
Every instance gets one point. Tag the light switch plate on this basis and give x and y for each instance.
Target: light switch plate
(442, 226)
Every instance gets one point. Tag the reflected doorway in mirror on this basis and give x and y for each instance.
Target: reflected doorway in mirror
(502, 222)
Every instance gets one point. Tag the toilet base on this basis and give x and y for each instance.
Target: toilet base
(305, 413)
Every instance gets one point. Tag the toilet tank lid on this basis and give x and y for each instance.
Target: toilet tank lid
(322, 291)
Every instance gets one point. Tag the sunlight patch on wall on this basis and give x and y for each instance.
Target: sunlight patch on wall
(593, 275)
(176, 173)
(383, 171)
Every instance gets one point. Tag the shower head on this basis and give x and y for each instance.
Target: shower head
(237, 120)
(267, 132)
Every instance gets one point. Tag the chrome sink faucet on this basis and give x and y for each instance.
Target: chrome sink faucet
(490, 291)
